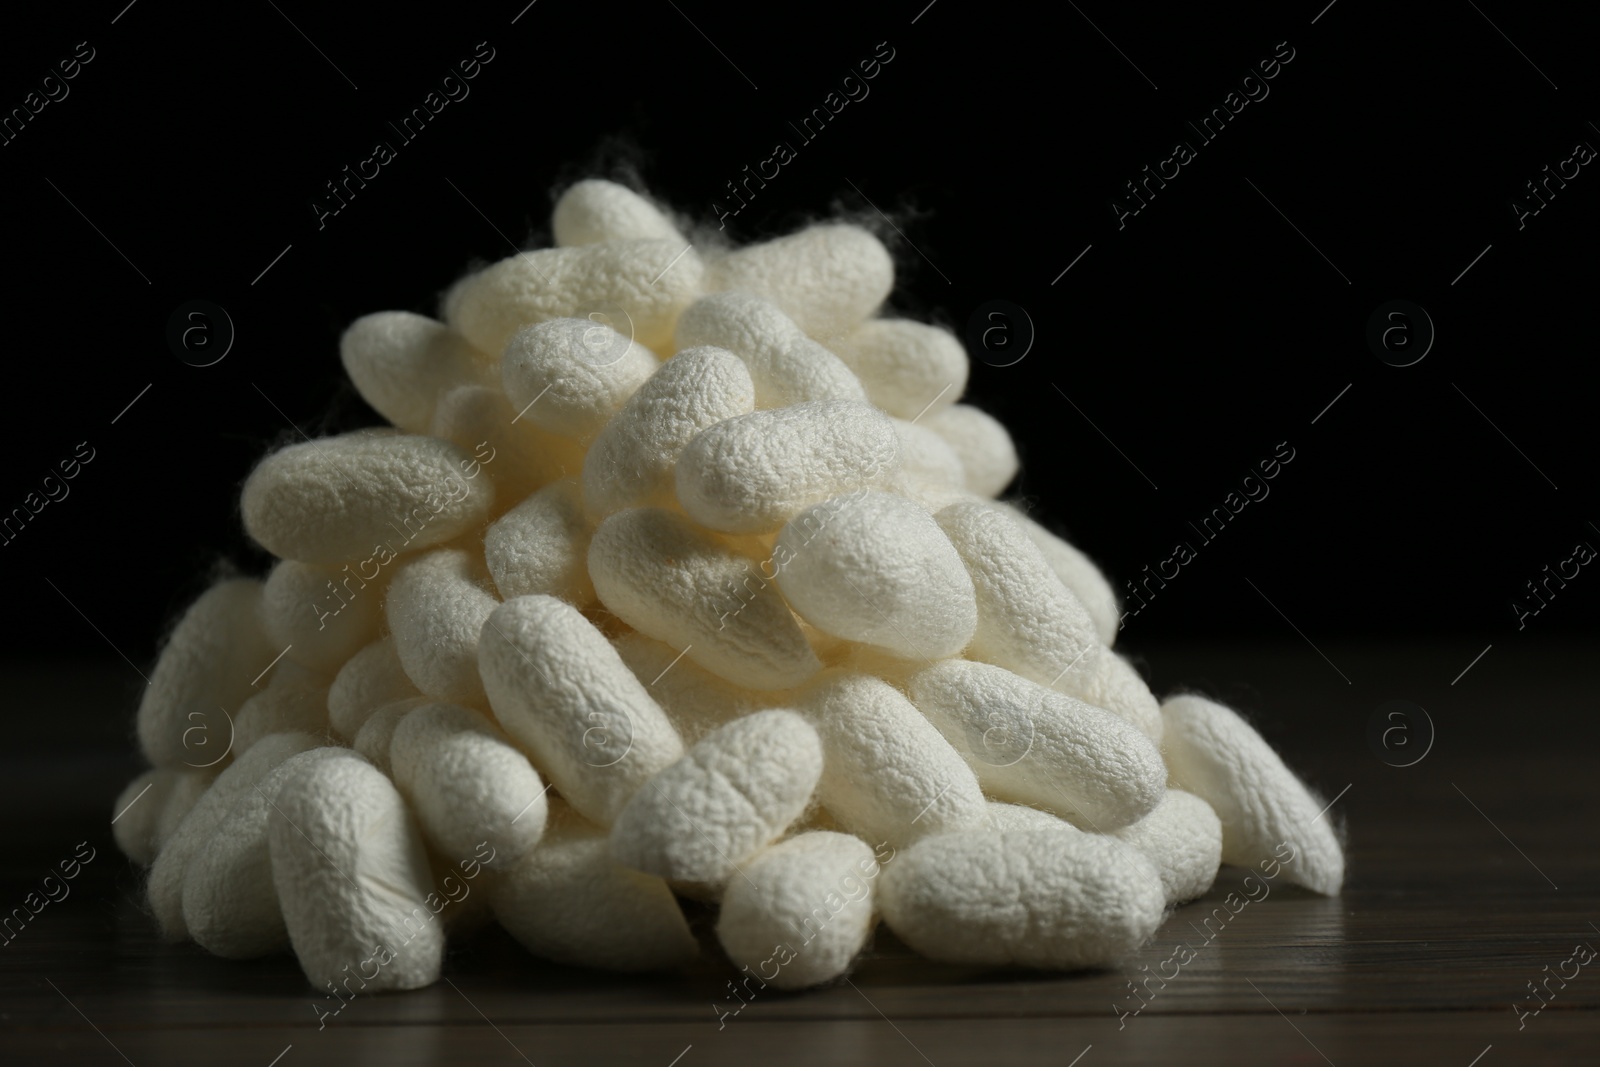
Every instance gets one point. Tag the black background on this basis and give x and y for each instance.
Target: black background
(1196, 338)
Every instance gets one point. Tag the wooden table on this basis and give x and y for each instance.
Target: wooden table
(1470, 873)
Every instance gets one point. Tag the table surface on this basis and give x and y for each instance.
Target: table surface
(1472, 877)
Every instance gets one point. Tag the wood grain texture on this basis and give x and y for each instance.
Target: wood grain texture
(1470, 873)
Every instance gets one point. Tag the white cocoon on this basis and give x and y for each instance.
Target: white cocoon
(208, 663)
(186, 792)
(874, 567)
(336, 499)
(649, 281)
(401, 363)
(826, 278)
(1038, 898)
(569, 376)
(732, 794)
(572, 903)
(1077, 572)
(1004, 818)
(466, 784)
(560, 689)
(632, 461)
(785, 365)
(1028, 622)
(374, 738)
(322, 614)
(755, 472)
(811, 895)
(295, 700)
(542, 546)
(164, 890)
(353, 878)
(667, 578)
(887, 773)
(593, 210)
(1117, 687)
(1216, 755)
(372, 678)
(230, 904)
(908, 368)
(136, 813)
(1036, 746)
(987, 454)
(926, 459)
(437, 605)
(1183, 838)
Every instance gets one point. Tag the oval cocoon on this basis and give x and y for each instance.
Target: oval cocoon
(908, 368)
(631, 463)
(667, 578)
(1220, 758)
(372, 678)
(1183, 838)
(648, 281)
(466, 784)
(345, 498)
(572, 903)
(803, 908)
(207, 664)
(322, 614)
(560, 689)
(826, 278)
(542, 546)
(437, 605)
(987, 454)
(569, 376)
(733, 793)
(593, 210)
(888, 774)
(353, 878)
(785, 365)
(755, 472)
(401, 363)
(874, 567)
(1038, 898)
(1035, 746)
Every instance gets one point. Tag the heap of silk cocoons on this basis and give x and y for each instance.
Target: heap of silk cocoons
(679, 575)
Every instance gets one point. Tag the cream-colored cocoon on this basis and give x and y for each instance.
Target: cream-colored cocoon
(811, 894)
(542, 546)
(593, 210)
(1183, 838)
(632, 461)
(342, 498)
(372, 678)
(436, 608)
(1220, 758)
(402, 363)
(785, 365)
(569, 376)
(560, 689)
(667, 578)
(753, 473)
(353, 878)
(732, 794)
(570, 902)
(323, 615)
(827, 278)
(908, 368)
(208, 663)
(987, 455)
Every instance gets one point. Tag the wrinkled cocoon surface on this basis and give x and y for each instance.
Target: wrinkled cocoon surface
(785, 366)
(908, 368)
(466, 784)
(569, 901)
(569, 376)
(888, 774)
(402, 363)
(351, 497)
(669, 579)
(214, 654)
(987, 455)
(353, 878)
(1078, 573)
(1183, 838)
(826, 278)
(755, 472)
(873, 567)
(1035, 746)
(561, 690)
(648, 281)
(1217, 756)
(294, 700)
(730, 795)
(370, 679)
(631, 463)
(542, 546)
(436, 609)
(1028, 622)
(322, 615)
(802, 911)
(593, 211)
(1038, 898)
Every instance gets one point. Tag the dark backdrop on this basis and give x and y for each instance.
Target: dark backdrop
(1183, 345)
